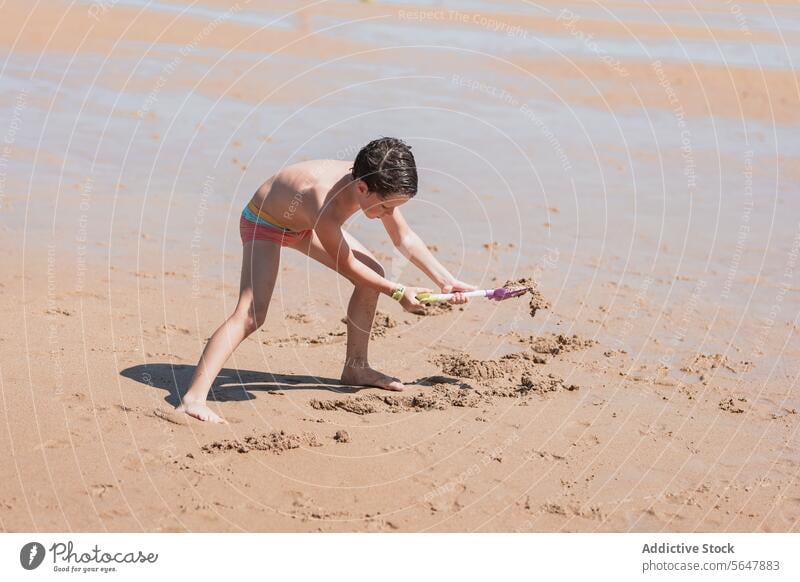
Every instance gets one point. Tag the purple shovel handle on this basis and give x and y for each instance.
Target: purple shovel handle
(502, 293)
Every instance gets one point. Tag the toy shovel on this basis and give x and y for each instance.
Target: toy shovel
(499, 294)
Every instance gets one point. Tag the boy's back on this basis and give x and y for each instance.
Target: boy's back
(296, 195)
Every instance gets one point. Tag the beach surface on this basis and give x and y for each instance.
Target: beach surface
(640, 164)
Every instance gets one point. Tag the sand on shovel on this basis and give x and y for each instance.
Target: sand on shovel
(537, 301)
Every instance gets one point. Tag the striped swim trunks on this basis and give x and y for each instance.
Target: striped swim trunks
(255, 224)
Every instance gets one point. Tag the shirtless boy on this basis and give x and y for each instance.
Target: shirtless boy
(303, 207)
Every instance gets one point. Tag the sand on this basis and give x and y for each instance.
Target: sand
(643, 185)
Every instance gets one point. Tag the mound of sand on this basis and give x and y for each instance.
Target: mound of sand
(442, 396)
(341, 436)
(524, 357)
(439, 397)
(511, 376)
(462, 366)
(356, 405)
(381, 325)
(529, 384)
(516, 283)
(273, 442)
(556, 343)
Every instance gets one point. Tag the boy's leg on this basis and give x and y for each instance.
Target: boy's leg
(360, 315)
(260, 263)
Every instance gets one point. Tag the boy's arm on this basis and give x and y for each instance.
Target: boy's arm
(333, 241)
(415, 250)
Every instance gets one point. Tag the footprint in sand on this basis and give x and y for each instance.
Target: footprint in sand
(52, 444)
(135, 463)
(183, 419)
(171, 416)
(58, 311)
(172, 329)
(100, 489)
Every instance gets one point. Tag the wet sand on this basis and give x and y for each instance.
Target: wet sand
(640, 166)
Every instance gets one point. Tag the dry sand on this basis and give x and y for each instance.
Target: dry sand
(654, 388)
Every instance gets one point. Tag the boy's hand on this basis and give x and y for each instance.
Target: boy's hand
(409, 300)
(455, 287)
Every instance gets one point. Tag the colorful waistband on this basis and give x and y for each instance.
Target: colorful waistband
(254, 214)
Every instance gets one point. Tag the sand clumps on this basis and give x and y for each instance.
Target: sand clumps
(733, 405)
(703, 364)
(356, 405)
(514, 376)
(299, 317)
(440, 396)
(462, 366)
(273, 442)
(529, 384)
(556, 343)
(537, 301)
(511, 376)
(341, 436)
(382, 324)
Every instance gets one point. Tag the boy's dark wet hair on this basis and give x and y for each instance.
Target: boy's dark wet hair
(387, 167)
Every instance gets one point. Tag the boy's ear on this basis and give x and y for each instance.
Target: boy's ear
(363, 189)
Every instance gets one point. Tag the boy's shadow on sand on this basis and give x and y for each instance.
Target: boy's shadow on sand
(230, 384)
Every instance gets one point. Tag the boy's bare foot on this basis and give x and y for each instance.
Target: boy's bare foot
(366, 376)
(200, 411)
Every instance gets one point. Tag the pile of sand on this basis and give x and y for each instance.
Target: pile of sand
(274, 442)
(524, 357)
(463, 366)
(556, 343)
(529, 383)
(355, 405)
(511, 376)
(444, 395)
(381, 325)
(438, 397)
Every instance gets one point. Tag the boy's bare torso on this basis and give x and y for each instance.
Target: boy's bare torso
(300, 196)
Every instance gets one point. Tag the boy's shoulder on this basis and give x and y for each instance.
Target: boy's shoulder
(306, 173)
(299, 177)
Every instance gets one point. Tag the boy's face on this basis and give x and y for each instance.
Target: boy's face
(375, 206)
